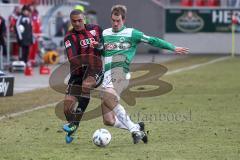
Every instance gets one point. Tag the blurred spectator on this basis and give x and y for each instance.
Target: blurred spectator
(36, 28)
(5, 1)
(3, 35)
(12, 25)
(233, 3)
(59, 25)
(24, 32)
(80, 8)
(65, 25)
(91, 17)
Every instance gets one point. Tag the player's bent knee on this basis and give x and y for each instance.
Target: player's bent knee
(88, 84)
(69, 104)
(108, 96)
(108, 122)
(108, 119)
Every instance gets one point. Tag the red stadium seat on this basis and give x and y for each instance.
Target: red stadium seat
(26, 2)
(186, 3)
(213, 3)
(200, 3)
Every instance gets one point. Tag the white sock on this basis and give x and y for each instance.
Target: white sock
(124, 118)
(118, 124)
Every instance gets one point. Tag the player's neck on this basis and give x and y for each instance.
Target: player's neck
(80, 29)
(123, 27)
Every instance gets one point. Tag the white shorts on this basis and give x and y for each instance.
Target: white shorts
(116, 79)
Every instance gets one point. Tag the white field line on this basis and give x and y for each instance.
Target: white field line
(196, 66)
(26, 111)
(168, 73)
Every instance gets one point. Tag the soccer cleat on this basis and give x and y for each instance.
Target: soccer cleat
(137, 136)
(69, 128)
(68, 139)
(142, 128)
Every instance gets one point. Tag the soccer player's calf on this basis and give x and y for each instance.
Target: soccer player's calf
(77, 92)
(113, 112)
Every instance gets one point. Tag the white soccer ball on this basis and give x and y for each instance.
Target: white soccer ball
(101, 137)
(21, 28)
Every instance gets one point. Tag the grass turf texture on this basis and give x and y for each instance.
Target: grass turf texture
(198, 119)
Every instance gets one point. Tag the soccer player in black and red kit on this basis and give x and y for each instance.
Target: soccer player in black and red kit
(83, 46)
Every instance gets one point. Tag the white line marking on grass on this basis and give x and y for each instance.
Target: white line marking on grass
(196, 66)
(26, 111)
(168, 73)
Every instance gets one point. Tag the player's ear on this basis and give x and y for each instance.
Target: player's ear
(124, 20)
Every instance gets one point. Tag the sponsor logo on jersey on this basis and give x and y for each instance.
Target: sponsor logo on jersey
(117, 46)
(122, 39)
(84, 43)
(67, 44)
(4, 87)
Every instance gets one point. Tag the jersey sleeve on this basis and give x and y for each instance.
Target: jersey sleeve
(101, 41)
(18, 32)
(95, 67)
(139, 36)
(69, 45)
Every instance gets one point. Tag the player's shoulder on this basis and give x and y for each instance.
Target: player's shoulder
(93, 27)
(125, 31)
(107, 31)
(68, 34)
(136, 30)
(128, 29)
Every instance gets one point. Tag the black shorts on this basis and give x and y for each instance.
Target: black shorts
(75, 84)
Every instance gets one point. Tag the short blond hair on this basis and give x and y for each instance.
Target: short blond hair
(119, 10)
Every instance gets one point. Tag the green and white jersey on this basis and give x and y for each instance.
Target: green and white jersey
(120, 47)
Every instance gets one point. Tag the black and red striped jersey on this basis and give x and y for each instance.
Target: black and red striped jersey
(81, 54)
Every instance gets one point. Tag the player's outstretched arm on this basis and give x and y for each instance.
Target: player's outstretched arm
(181, 50)
(139, 36)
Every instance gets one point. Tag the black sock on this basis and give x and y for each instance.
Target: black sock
(82, 105)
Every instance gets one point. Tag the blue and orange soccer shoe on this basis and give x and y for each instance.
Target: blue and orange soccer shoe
(69, 128)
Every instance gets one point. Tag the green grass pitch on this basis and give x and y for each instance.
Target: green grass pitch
(198, 120)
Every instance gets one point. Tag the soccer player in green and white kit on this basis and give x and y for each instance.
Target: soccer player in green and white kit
(120, 45)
